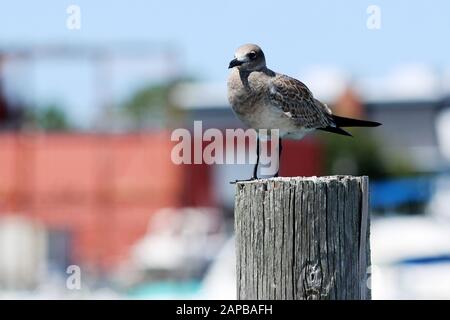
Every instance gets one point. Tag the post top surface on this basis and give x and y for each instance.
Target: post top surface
(312, 179)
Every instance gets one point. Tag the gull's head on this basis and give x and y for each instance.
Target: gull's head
(248, 57)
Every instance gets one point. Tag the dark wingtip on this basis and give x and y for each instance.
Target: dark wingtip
(337, 131)
(371, 124)
(348, 134)
(350, 122)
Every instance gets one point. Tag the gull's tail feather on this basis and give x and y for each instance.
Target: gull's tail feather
(336, 130)
(349, 122)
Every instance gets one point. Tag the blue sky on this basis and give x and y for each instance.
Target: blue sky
(293, 34)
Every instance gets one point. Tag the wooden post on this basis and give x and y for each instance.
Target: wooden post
(303, 238)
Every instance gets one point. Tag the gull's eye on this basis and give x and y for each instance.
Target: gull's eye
(252, 55)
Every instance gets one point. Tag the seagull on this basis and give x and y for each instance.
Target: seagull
(264, 99)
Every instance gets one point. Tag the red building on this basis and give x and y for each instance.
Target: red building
(100, 190)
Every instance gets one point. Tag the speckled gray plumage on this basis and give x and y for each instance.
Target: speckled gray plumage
(293, 96)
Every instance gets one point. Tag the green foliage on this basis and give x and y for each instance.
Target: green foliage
(361, 155)
(50, 118)
(149, 101)
(152, 104)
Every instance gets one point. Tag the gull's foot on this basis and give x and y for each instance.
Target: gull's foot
(244, 180)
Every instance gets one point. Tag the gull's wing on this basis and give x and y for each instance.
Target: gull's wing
(295, 99)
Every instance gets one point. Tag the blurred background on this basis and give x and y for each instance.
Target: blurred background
(87, 107)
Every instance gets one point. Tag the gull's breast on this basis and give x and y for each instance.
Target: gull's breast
(267, 116)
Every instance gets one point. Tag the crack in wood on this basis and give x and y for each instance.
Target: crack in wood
(302, 238)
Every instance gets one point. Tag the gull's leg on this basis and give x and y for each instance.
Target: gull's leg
(280, 148)
(255, 168)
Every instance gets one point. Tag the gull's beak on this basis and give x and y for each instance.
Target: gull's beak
(234, 63)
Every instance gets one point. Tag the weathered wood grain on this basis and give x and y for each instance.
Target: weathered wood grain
(302, 238)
